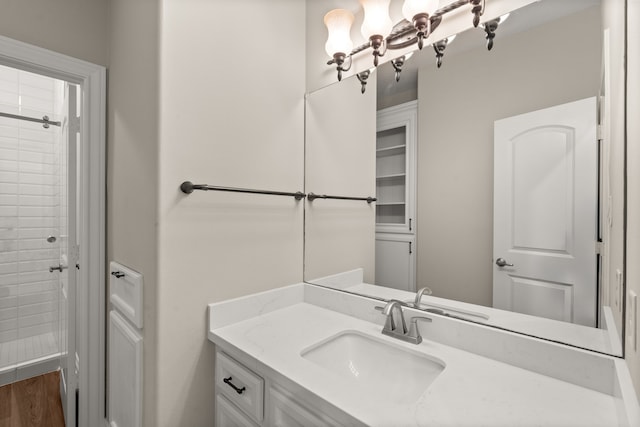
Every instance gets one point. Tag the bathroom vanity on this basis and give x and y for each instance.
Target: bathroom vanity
(307, 355)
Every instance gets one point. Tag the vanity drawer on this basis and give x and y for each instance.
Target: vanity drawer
(241, 386)
(228, 415)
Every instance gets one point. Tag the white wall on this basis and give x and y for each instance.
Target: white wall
(632, 353)
(76, 28)
(232, 86)
(455, 141)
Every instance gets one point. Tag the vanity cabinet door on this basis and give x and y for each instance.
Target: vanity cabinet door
(227, 415)
(286, 412)
(395, 261)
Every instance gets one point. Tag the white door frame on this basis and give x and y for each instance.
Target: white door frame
(90, 316)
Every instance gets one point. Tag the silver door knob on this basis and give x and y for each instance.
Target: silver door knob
(501, 262)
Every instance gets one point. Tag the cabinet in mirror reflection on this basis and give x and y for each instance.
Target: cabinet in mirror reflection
(396, 193)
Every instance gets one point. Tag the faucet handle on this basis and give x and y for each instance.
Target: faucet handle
(414, 333)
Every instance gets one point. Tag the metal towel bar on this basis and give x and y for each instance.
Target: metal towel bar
(312, 197)
(188, 187)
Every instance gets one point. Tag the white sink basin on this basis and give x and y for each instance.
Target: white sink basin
(391, 373)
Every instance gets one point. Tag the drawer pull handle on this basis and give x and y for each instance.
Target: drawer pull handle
(233, 386)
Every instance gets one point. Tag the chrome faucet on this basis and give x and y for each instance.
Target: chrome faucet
(421, 292)
(390, 328)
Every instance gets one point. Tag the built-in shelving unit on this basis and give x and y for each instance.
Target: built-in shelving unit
(395, 190)
(395, 154)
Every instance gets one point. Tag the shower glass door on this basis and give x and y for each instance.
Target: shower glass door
(68, 254)
(32, 182)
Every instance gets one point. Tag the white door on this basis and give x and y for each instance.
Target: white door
(69, 254)
(545, 207)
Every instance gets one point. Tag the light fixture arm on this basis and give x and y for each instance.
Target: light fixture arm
(490, 28)
(339, 59)
(377, 42)
(439, 48)
(422, 24)
(397, 66)
(477, 10)
(362, 78)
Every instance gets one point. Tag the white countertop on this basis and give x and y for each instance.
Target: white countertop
(471, 391)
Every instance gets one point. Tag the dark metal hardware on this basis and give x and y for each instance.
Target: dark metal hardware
(312, 197)
(188, 187)
(60, 267)
(117, 274)
(410, 251)
(233, 386)
(51, 239)
(409, 224)
(362, 78)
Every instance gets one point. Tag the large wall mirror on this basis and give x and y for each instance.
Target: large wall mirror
(498, 178)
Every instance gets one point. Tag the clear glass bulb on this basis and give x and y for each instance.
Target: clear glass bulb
(376, 18)
(338, 22)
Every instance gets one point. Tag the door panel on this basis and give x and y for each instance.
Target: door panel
(542, 189)
(69, 256)
(545, 207)
(542, 298)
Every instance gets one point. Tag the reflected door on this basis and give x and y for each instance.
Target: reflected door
(545, 210)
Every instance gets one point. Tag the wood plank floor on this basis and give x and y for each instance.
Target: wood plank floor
(34, 402)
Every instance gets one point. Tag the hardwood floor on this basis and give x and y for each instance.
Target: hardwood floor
(34, 402)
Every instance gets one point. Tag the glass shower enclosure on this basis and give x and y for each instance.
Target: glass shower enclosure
(34, 223)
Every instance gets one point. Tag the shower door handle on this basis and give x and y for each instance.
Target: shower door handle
(59, 267)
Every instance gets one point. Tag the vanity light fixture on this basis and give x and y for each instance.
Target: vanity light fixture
(376, 25)
(439, 48)
(423, 17)
(339, 44)
(398, 62)
(490, 28)
(419, 13)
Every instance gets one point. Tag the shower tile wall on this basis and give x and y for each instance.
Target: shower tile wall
(29, 210)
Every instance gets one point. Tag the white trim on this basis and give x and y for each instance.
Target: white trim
(91, 315)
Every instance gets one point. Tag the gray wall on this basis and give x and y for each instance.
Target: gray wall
(76, 28)
(457, 107)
